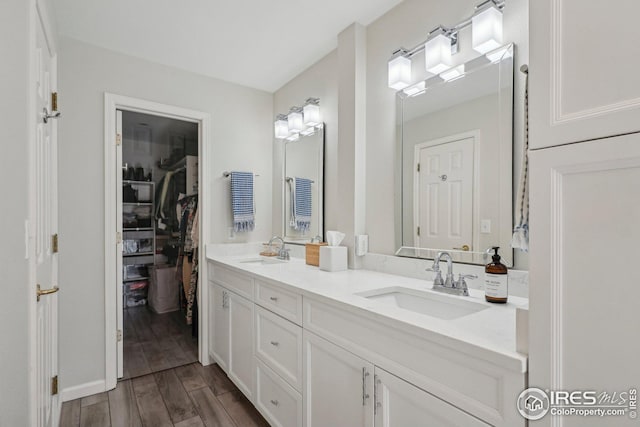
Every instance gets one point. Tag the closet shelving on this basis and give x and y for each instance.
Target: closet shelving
(139, 246)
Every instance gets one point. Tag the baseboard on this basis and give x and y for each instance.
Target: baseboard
(83, 390)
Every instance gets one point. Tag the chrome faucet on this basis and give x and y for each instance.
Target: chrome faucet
(449, 285)
(283, 253)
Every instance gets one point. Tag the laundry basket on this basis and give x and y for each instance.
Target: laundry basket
(163, 290)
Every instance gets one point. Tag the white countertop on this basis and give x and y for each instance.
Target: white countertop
(491, 333)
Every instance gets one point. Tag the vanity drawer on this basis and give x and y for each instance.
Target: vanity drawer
(279, 345)
(232, 280)
(276, 400)
(279, 300)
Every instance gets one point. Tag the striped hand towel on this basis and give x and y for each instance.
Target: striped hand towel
(242, 201)
(302, 205)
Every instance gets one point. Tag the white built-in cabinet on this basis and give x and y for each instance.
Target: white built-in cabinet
(583, 83)
(584, 200)
(338, 385)
(307, 361)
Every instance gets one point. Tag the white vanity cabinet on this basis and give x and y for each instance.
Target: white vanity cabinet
(307, 360)
(581, 86)
(231, 334)
(399, 403)
(338, 386)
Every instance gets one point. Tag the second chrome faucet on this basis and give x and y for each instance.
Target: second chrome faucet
(449, 285)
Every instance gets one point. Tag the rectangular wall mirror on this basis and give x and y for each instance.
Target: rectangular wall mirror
(455, 178)
(303, 187)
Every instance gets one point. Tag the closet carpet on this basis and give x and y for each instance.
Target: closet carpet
(188, 396)
(156, 342)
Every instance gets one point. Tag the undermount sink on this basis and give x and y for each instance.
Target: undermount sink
(261, 261)
(423, 302)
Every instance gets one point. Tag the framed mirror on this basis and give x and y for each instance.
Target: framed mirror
(455, 152)
(303, 187)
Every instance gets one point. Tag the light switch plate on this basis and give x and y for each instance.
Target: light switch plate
(362, 244)
(485, 226)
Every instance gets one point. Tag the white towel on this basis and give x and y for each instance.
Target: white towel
(520, 239)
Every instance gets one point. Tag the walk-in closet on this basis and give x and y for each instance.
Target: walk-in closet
(160, 236)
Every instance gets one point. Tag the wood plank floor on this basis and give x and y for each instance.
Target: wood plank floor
(156, 342)
(188, 396)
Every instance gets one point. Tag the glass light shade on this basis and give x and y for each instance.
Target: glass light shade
(399, 72)
(281, 127)
(437, 54)
(415, 89)
(453, 73)
(486, 29)
(311, 114)
(295, 121)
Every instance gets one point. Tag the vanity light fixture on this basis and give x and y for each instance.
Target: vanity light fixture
(311, 112)
(442, 43)
(281, 126)
(294, 118)
(437, 50)
(399, 70)
(300, 120)
(453, 73)
(486, 26)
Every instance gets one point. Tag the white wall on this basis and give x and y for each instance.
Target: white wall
(320, 81)
(407, 25)
(241, 131)
(14, 168)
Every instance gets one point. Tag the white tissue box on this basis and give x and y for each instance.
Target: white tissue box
(333, 258)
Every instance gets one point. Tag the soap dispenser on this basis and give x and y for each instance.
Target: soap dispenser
(496, 280)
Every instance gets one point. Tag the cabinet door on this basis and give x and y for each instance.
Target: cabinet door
(584, 294)
(338, 386)
(581, 79)
(399, 403)
(219, 330)
(241, 363)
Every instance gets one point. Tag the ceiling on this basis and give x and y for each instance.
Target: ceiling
(257, 43)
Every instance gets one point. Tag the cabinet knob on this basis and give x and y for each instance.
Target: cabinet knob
(275, 343)
(274, 402)
(274, 299)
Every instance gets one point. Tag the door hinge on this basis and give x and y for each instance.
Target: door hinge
(118, 139)
(119, 335)
(418, 231)
(418, 167)
(54, 101)
(54, 385)
(118, 238)
(54, 243)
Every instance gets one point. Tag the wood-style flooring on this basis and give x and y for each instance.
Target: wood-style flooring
(156, 342)
(188, 396)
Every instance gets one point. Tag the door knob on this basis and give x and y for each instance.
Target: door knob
(463, 248)
(40, 292)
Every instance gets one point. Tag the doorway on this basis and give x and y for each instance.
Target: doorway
(155, 175)
(159, 205)
(444, 192)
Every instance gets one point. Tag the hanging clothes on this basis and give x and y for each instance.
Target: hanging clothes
(187, 268)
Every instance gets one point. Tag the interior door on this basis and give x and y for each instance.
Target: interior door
(119, 290)
(444, 195)
(45, 225)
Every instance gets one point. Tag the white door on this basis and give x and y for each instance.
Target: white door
(45, 225)
(399, 404)
(444, 195)
(219, 339)
(241, 363)
(584, 294)
(338, 386)
(580, 84)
